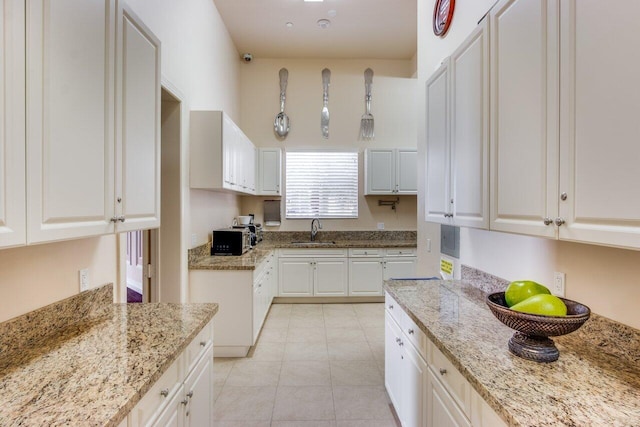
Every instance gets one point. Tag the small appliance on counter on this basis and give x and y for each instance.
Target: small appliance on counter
(255, 232)
(231, 241)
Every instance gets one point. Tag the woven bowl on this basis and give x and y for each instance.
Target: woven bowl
(536, 324)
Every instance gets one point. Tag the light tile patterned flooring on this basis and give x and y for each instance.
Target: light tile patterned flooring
(315, 365)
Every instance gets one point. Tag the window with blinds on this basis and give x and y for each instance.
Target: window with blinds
(321, 184)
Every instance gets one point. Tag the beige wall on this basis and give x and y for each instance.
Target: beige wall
(606, 279)
(199, 65)
(35, 276)
(393, 107)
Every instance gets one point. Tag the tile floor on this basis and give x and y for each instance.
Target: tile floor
(315, 365)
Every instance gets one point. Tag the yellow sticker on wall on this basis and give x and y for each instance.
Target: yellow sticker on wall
(446, 266)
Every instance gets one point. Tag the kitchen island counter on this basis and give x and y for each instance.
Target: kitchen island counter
(595, 382)
(67, 364)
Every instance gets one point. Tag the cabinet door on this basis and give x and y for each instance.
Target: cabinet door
(331, 276)
(173, 413)
(599, 123)
(296, 277)
(397, 268)
(437, 198)
(70, 113)
(380, 172)
(393, 360)
(269, 168)
(469, 69)
(441, 409)
(524, 116)
(414, 387)
(12, 123)
(137, 124)
(406, 171)
(228, 129)
(198, 389)
(365, 276)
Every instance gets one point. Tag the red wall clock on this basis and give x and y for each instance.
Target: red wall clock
(442, 16)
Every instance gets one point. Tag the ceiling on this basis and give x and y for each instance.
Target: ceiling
(360, 29)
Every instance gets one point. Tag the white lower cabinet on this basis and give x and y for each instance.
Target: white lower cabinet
(182, 396)
(424, 387)
(441, 409)
(244, 297)
(313, 272)
(369, 268)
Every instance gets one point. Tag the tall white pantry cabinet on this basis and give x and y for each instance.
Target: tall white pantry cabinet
(92, 126)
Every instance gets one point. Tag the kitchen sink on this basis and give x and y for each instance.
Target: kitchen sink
(309, 243)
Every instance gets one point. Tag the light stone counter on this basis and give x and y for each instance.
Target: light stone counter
(87, 362)
(595, 382)
(201, 259)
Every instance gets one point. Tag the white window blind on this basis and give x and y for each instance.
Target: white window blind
(322, 184)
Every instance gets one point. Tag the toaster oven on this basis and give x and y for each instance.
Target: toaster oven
(231, 241)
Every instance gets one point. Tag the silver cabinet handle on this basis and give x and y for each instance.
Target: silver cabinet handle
(114, 219)
(443, 371)
(185, 401)
(121, 218)
(397, 339)
(203, 343)
(164, 392)
(563, 196)
(547, 221)
(390, 306)
(559, 221)
(190, 394)
(410, 331)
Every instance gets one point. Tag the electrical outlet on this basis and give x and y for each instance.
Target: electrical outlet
(381, 226)
(84, 279)
(558, 284)
(194, 240)
(428, 245)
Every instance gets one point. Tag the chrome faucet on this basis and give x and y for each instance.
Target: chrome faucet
(314, 230)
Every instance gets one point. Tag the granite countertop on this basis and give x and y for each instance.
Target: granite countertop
(201, 259)
(595, 382)
(91, 372)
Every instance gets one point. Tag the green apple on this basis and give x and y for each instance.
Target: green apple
(546, 304)
(520, 290)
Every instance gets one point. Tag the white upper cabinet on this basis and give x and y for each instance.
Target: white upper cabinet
(599, 131)
(469, 185)
(137, 124)
(12, 123)
(93, 120)
(70, 118)
(457, 129)
(269, 172)
(390, 171)
(221, 155)
(524, 116)
(438, 162)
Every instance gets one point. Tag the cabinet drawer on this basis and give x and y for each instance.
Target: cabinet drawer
(159, 395)
(368, 252)
(198, 345)
(401, 252)
(415, 335)
(394, 309)
(313, 253)
(451, 379)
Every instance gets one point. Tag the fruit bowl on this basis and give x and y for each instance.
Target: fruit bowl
(532, 330)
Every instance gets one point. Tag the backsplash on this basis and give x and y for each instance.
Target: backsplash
(486, 282)
(292, 236)
(19, 333)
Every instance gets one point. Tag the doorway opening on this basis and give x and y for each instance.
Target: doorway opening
(153, 260)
